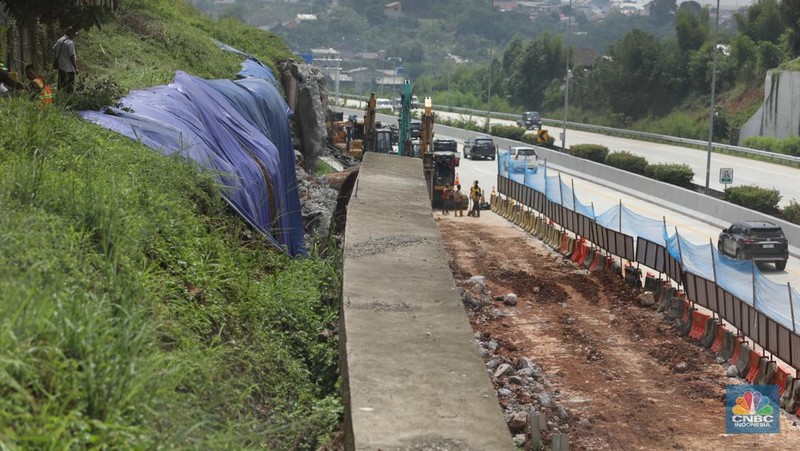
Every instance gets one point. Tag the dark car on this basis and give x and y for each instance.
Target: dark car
(760, 241)
(445, 145)
(480, 147)
(530, 120)
(415, 129)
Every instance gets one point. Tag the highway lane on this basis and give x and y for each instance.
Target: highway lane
(746, 171)
(695, 230)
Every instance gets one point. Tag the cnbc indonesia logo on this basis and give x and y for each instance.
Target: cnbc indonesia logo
(751, 411)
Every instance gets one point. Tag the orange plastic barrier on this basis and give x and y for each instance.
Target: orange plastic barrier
(595, 261)
(699, 321)
(753, 373)
(581, 249)
(737, 342)
(686, 309)
(717, 346)
(564, 243)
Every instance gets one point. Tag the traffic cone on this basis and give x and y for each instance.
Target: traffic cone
(458, 182)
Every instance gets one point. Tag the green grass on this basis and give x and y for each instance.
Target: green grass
(324, 168)
(136, 311)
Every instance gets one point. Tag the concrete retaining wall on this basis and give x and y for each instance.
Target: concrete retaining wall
(413, 376)
(779, 116)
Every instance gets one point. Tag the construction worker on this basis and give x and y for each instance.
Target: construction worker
(475, 195)
(6, 81)
(40, 90)
(446, 194)
(459, 199)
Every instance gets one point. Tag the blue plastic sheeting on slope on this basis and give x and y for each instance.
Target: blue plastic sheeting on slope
(252, 67)
(262, 105)
(192, 118)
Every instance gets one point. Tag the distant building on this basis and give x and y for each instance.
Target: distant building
(393, 9)
(224, 2)
(306, 17)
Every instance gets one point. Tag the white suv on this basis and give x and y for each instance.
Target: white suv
(523, 157)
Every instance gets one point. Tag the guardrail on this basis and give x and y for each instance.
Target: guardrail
(644, 136)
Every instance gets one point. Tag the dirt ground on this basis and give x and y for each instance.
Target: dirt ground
(609, 372)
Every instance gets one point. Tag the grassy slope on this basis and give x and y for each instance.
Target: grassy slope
(135, 310)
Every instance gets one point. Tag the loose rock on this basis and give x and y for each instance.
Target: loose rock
(510, 299)
(504, 370)
(732, 371)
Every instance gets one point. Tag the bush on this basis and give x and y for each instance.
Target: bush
(755, 198)
(792, 212)
(593, 152)
(768, 143)
(508, 131)
(627, 162)
(675, 174)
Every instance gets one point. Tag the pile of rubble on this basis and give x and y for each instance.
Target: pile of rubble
(521, 386)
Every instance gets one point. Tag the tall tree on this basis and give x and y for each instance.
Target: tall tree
(540, 61)
(78, 13)
(642, 76)
(662, 12)
(691, 27)
(761, 21)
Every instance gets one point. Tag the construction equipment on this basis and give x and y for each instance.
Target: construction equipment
(439, 165)
(376, 138)
(353, 137)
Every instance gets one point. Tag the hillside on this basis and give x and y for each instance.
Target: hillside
(136, 310)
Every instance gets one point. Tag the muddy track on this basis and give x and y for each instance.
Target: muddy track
(610, 372)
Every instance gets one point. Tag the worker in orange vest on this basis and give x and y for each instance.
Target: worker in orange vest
(39, 89)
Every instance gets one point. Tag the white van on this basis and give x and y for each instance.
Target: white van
(383, 104)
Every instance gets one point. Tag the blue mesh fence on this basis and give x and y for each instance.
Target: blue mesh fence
(740, 278)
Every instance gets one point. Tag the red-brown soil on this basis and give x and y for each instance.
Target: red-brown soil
(623, 375)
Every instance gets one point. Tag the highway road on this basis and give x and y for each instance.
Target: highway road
(603, 197)
(745, 171)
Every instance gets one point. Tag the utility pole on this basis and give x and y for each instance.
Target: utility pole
(711, 112)
(566, 83)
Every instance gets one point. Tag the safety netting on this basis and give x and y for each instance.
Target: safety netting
(741, 278)
(238, 129)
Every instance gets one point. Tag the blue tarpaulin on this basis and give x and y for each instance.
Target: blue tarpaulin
(238, 129)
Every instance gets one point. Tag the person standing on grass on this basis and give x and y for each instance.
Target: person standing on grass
(67, 60)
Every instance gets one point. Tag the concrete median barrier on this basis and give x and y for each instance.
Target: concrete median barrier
(686, 316)
(781, 378)
(790, 395)
(742, 362)
(767, 373)
(728, 340)
(751, 372)
(588, 258)
(710, 333)
(667, 292)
